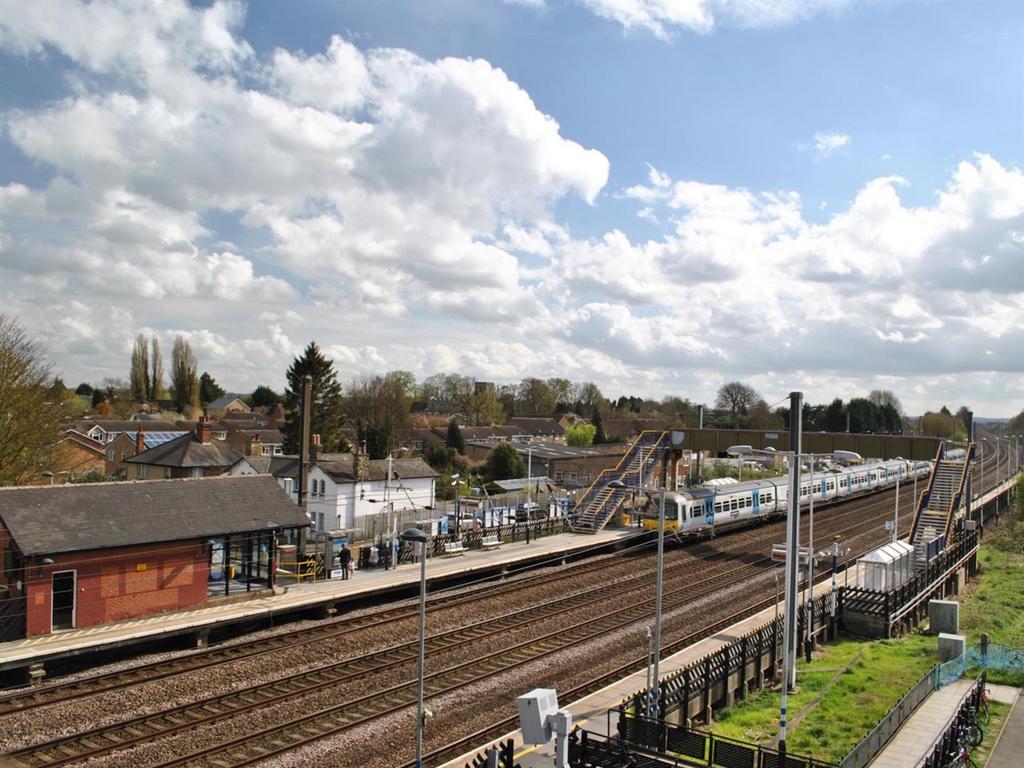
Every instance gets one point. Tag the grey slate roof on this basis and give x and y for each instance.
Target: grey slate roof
(188, 451)
(224, 401)
(47, 520)
(341, 467)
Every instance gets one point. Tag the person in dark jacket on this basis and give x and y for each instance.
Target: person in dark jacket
(345, 556)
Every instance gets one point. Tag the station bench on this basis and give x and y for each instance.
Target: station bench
(490, 542)
(453, 548)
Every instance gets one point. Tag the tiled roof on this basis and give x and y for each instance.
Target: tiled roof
(188, 451)
(341, 467)
(74, 518)
(224, 401)
(114, 425)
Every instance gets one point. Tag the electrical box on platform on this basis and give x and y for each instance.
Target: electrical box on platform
(535, 708)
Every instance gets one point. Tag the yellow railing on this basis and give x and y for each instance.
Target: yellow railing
(600, 479)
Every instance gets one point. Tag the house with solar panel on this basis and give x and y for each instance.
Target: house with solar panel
(107, 430)
(126, 445)
(192, 454)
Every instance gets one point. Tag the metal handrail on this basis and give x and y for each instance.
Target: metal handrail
(925, 494)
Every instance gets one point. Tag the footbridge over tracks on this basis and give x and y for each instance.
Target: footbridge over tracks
(717, 441)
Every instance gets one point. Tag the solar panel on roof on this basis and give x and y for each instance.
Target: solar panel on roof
(153, 439)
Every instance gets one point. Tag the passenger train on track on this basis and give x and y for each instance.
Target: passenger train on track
(706, 509)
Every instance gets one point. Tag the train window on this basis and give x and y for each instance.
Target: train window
(735, 504)
(718, 507)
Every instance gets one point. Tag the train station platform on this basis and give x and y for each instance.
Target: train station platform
(290, 600)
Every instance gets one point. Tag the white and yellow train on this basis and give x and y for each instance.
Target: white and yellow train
(705, 509)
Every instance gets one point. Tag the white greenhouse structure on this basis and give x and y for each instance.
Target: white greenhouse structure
(886, 568)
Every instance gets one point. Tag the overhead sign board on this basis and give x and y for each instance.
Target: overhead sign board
(779, 553)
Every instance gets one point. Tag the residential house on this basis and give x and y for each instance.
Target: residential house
(228, 403)
(347, 488)
(257, 442)
(126, 445)
(194, 454)
(539, 426)
(106, 430)
(218, 430)
(75, 455)
(418, 439)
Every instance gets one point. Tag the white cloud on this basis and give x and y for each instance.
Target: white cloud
(404, 212)
(664, 17)
(827, 143)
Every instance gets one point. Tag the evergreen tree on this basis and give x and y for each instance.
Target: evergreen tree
(326, 411)
(599, 435)
(504, 463)
(264, 397)
(454, 438)
(155, 385)
(209, 389)
(184, 376)
(84, 390)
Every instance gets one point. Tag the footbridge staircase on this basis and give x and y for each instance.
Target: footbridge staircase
(937, 507)
(600, 502)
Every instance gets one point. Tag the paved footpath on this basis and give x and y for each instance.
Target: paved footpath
(927, 723)
(1009, 750)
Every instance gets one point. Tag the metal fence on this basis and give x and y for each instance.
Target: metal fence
(702, 748)
(894, 605)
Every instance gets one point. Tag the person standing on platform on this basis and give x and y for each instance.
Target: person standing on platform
(345, 556)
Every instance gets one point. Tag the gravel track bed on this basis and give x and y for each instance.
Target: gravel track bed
(185, 688)
(28, 728)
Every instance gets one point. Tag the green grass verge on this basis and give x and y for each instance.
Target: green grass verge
(994, 602)
(999, 713)
(866, 688)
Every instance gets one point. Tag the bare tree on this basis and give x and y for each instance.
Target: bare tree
(184, 375)
(884, 397)
(138, 376)
(30, 421)
(737, 399)
(156, 370)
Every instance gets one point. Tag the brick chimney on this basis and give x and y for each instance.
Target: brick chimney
(203, 429)
(255, 445)
(315, 449)
(362, 465)
(140, 442)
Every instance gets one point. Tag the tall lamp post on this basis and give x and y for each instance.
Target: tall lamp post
(659, 584)
(415, 535)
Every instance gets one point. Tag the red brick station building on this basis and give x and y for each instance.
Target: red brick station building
(75, 556)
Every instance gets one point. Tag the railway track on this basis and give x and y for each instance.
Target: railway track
(339, 628)
(321, 723)
(324, 722)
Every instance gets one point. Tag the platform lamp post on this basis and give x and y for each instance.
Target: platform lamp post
(655, 690)
(416, 536)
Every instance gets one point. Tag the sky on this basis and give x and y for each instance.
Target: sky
(655, 195)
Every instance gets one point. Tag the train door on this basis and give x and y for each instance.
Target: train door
(709, 509)
(62, 599)
(757, 501)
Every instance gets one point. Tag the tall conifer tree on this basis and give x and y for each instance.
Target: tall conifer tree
(326, 412)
